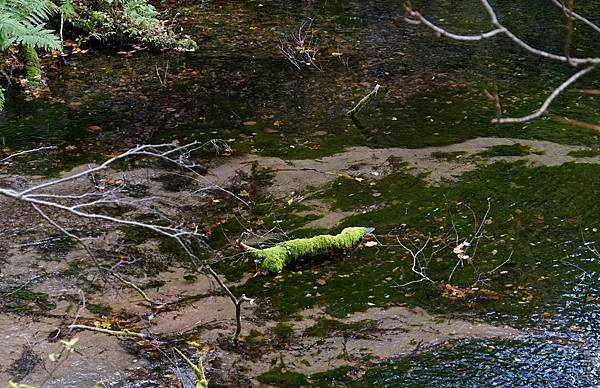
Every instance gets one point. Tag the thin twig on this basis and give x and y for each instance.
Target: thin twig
(21, 153)
(118, 333)
(575, 15)
(363, 101)
(548, 101)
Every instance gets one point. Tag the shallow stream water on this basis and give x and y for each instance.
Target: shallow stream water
(239, 87)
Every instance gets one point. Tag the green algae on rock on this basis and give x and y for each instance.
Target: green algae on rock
(273, 259)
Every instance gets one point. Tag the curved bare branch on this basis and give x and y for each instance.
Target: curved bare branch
(82, 205)
(548, 101)
(576, 16)
(590, 62)
(500, 29)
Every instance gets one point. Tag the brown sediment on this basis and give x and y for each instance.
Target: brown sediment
(204, 312)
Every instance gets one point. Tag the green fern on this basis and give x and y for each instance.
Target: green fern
(23, 22)
(66, 9)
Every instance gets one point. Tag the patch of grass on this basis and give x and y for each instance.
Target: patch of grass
(255, 339)
(73, 268)
(448, 156)
(253, 334)
(332, 378)
(283, 332)
(280, 376)
(99, 308)
(153, 283)
(23, 300)
(136, 235)
(190, 278)
(587, 153)
(517, 149)
(326, 327)
(323, 327)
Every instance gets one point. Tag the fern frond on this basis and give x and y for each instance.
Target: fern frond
(22, 22)
(36, 11)
(66, 8)
(39, 37)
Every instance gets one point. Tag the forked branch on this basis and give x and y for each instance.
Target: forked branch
(48, 195)
(589, 63)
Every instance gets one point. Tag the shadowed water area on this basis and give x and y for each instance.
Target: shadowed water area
(535, 245)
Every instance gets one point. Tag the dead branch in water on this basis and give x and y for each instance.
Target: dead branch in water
(464, 249)
(47, 200)
(363, 101)
(18, 154)
(202, 381)
(118, 333)
(302, 47)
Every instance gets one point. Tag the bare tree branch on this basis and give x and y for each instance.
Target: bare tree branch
(17, 154)
(540, 112)
(415, 17)
(576, 15)
(417, 268)
(84, 206)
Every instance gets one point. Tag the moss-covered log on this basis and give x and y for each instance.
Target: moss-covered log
(33, 68)
(273, 259)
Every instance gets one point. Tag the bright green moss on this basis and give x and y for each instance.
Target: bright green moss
(273, 259)
(33, 68)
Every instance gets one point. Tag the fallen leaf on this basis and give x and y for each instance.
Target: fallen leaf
(70, 344)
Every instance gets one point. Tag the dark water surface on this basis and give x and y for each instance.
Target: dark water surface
(240, 88)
